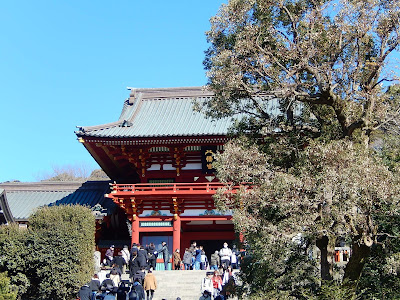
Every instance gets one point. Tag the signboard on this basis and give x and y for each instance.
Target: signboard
(207, 158)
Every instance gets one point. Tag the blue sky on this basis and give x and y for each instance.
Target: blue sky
(68, 63)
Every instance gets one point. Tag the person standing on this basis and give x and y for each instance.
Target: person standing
(133, 265)
(187, 259)
(85, 293)
(97, 260)
(94, 286)
(235, 257)
(207, 283)
(197, 259)
(150, 284)
(204, 260)
(115, 274)
(109, 256)
(142, 257)
(151, 256)
(225, 254)
(177, 260)
(165, 252)
(119, 261)
(137, 289)
(217, 284)
(215, 261)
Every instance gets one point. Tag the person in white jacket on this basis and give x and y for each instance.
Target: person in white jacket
(225, 254)
(207, 284)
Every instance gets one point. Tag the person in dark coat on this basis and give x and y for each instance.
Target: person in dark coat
(107, 284)
(134, 248)
(165, 252)
(133, 265)
(85, 293)
(109, 256)
(151, 256)
(137, 289)
(187, 259)
(119, 260)
(142, 256)
(94, 285)
(139, 275)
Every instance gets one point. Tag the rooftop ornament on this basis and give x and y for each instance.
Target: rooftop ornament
(99, 212)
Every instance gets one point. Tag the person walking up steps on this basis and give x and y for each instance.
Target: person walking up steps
(165, 252)
(150, 284)
(126, 256)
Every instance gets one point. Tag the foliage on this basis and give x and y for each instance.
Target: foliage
(14, 257)
(54, 257)
(62, 244)
(307, 80)
(5, 290)
(330, 192)
(380, 277)
(329, 57)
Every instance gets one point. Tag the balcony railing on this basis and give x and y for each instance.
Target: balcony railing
(166, 188)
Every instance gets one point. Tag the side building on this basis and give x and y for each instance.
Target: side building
(159, 154)
(19, 200)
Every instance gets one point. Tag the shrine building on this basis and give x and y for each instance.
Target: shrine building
(159, 154)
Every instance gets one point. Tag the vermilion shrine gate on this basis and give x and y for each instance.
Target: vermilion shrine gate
(160, 156)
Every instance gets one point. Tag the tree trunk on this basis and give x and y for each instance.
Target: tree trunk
(359, 255)
(326, 257)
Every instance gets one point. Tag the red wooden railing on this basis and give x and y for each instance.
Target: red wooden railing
(166, 188)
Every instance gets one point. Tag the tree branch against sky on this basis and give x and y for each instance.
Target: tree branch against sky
(332, 53)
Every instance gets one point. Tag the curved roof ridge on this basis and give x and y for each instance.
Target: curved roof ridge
(83, 129)
(171, 92)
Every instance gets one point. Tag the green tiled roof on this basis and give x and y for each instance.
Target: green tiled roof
(161, 113)
(24, 198)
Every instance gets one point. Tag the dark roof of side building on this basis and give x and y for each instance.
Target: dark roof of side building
(5, 213)
(22, 199)
(163, 112)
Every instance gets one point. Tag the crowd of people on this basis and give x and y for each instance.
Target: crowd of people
(195, 258)
(139, 262)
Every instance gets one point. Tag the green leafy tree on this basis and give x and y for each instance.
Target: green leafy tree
(330, 193)
(308, 77)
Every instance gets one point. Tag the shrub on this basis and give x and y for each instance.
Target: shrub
(13, 256)
(61, 247)
(52, 258)
(5, 289)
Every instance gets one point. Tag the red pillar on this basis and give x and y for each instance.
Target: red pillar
(135, 230)
(176, 234)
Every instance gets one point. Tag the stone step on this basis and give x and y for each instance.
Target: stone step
(183, 284)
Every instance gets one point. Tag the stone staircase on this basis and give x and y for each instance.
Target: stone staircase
(183, 284)
(174, 284)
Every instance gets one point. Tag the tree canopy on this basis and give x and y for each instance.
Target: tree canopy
(333, 57)
(325, 167)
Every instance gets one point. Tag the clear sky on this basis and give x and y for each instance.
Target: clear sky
(68, 63)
